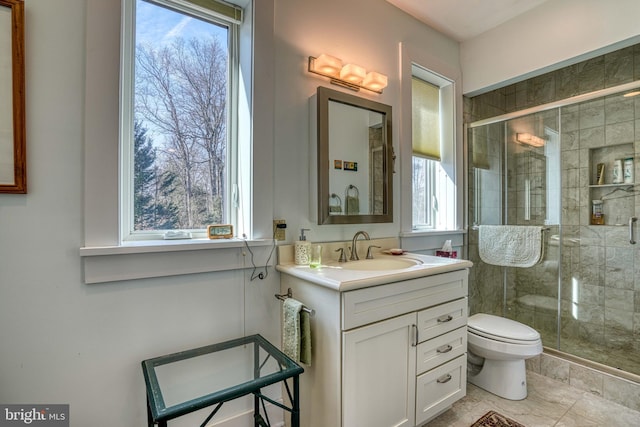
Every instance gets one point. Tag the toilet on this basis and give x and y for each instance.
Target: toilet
(497, 348)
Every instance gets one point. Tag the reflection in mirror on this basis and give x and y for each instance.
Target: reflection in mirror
(12, 126)
(354, 159)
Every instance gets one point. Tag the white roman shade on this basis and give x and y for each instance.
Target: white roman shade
(221, 9)
(425, 103)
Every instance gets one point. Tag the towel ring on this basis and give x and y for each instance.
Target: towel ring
(349, 188)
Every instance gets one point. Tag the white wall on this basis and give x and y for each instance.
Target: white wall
(555, 34)
(62, 341)
(367, 33)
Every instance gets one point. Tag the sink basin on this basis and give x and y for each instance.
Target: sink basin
(380, 264)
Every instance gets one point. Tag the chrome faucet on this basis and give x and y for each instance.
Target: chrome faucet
(354, 249)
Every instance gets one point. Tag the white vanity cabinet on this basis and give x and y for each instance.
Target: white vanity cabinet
(379, 374)
(387, 355)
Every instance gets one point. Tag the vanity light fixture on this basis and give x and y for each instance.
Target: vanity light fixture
(630, 94)
(532, 140)
(351, 76)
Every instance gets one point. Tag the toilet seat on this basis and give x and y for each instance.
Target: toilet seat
(501, 329)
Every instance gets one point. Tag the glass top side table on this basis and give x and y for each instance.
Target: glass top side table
(187, 381)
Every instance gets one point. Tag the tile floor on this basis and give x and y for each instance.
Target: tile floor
(549, 403)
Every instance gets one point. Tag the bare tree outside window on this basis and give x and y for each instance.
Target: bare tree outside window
(181, 91)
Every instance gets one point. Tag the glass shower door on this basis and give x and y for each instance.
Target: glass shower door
(515, 179)
(542, 169)
(533, 197)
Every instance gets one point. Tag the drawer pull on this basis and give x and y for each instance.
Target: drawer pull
(444, 349)
(415, 335)
(444, 319)
(444, 379)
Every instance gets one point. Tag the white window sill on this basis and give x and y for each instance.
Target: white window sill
(426, 232)
(153, 258)
(431, 240)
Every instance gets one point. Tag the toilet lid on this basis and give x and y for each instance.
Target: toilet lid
(487, 324)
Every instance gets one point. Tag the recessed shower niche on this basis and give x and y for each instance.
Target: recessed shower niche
(618, 201)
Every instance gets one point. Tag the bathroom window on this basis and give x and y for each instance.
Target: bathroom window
(433, 186)
(180, 148)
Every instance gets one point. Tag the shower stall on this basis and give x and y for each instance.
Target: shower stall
(540, 167)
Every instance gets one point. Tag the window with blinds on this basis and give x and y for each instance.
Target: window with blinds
(425, 102)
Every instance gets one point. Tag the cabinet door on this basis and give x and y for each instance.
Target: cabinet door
(379, 374)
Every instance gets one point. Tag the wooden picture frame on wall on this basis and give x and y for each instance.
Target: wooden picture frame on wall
(13, 156)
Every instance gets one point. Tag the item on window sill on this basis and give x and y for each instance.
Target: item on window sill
(452, 254)
(177, 235)
(220, 231)
(447, 251)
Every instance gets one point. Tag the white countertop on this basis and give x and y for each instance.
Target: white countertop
(335, 276)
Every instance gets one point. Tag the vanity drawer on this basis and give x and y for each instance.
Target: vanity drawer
(368, 305)
(439, 388)
(441, 349)
(442, 319)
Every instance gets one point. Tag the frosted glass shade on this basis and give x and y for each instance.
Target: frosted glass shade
(353, 73)
(327, 64)
(375, 81)
(532, 140)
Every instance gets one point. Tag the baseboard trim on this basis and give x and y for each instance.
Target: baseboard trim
(243, 419)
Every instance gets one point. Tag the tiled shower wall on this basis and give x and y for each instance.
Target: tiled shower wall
(600, 299)
(613, 69)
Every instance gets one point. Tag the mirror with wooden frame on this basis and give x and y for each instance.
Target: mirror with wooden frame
(355, 165)
(13, 161)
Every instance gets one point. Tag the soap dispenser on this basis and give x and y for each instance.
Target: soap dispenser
(302, 249)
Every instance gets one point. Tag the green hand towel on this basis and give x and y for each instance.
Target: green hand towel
(305, 338)
(296, 331)
(291, 328)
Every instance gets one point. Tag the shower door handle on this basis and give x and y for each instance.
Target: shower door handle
(632, 239)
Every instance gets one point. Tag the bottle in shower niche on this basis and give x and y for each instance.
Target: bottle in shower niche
(617, 172)
(628, 170)
(597, 217)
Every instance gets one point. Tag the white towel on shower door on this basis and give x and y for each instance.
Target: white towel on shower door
(510, 245)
